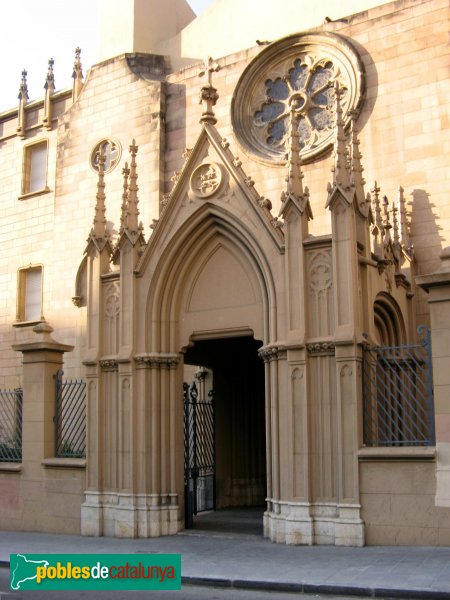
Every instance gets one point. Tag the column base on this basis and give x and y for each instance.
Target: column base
(319, 523)
(124, 515)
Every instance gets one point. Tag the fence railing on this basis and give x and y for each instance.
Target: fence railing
(11, 402)
(398, 394)
(70, 417)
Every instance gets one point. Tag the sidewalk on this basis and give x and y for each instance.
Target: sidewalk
(246, 560)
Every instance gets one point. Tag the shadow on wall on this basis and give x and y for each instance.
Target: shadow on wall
(175, 134)
(425, 237)
(370, 81)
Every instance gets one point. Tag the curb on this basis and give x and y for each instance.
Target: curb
(320, 588)
(307, 588)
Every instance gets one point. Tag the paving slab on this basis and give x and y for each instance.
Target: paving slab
(252, 562)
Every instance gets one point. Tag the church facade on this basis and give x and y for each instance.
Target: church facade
(277, 216)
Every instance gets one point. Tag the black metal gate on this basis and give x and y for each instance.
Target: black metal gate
(398, 394)
(70, 417)
(199, 453)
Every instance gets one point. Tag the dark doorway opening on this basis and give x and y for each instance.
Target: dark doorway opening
(236, 375)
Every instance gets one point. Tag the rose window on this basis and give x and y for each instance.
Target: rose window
(307, 88)
(297, 73)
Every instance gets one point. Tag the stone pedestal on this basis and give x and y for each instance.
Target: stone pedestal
(42, 358)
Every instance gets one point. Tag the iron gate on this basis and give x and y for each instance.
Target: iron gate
(398, 394)
(70, 417)
(199, 453)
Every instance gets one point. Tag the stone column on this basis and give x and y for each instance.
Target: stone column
(42, 358)
(348, 525)
(438, 287)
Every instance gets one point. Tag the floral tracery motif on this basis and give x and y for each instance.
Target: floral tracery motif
(112, 300)
(307, 87)
(112, 152)
(297, 72)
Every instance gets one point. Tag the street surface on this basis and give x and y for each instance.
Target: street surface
(189, 592)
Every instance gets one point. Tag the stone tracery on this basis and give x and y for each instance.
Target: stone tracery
(297, 73)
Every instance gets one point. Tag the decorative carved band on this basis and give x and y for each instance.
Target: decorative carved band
(157, 360)
(321, 348)
(109, 364)
(272, 352)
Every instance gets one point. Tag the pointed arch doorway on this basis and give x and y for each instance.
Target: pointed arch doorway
(231, 368)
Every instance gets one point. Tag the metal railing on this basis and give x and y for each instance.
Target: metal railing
(398, 394)
(70, 417)
(11, 402)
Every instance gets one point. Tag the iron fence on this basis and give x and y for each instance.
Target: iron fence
(70, 417)
(11, 402)
(398, 394)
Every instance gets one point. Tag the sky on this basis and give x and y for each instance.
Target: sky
(35, 30)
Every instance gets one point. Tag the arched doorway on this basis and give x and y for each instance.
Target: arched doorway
(236, 374)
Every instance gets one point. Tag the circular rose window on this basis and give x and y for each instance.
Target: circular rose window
(296, 72)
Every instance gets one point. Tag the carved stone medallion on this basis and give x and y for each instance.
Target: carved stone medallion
(112, 151)
(206, 180)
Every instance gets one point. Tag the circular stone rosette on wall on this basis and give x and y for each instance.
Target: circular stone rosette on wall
(297, 72)
(112, 151)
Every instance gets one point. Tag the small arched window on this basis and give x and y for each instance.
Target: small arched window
(389, 324)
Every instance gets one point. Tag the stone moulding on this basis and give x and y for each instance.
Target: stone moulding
(297, 71)
(322, 348)
(272, 352)
(156, 360)
(109, 365)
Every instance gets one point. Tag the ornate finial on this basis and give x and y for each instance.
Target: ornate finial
(404, 225)
(377, 206)
(386, 222)
(377, 227)
(124, 207)
(99, 229)
(23, 89)
(395, 226)
(49, 91)
(356, 168)
(50, 80)
(23, 98)
(132, 223)
(340, 151)
(77, 75)
(294, 188)
(208, 93)
(295, 175)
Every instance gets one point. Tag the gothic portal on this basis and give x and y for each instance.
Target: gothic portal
(232, 232)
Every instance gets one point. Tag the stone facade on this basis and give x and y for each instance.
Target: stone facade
(261, 245)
